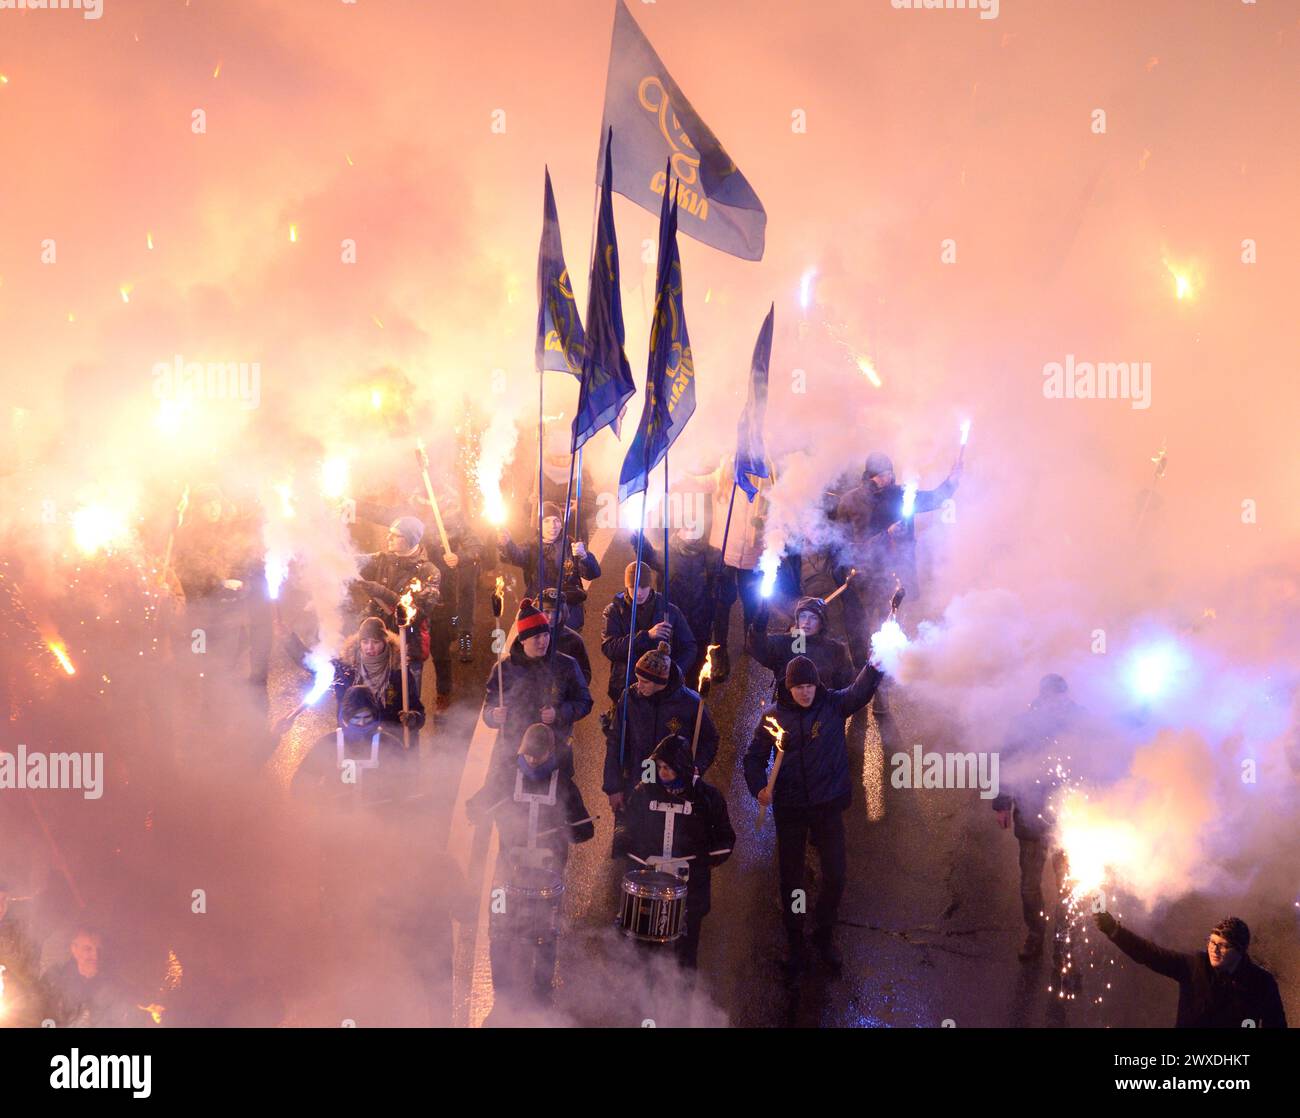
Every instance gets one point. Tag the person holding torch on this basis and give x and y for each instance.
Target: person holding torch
(809, 794)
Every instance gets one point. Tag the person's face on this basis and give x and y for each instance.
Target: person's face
(549, 614)
(551, 529)
(1222, 953)
(666, 772)
(363, 722)
(809, 622)
(882, 481)
(85, 950)
(804, 694)
(643, 592)
(543, 759)
(371, 647)
(647, 687)
(536, 644)
(211, 511)
(397, 543)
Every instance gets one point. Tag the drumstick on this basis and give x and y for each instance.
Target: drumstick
(636, 859)
(575, 823)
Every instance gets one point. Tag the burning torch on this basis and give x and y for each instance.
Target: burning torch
(706, 676)
(853, 571)
(778, 739)
(406, 613)
(498, 607)
(423, 459)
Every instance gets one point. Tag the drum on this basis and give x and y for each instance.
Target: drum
(529, 905)
(653, 907)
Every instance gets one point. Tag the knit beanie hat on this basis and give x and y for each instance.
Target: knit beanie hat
(800, 671)
(656, 664)
(372, 628)
(530, 620)
(410, 529)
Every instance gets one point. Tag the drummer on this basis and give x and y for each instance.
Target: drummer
(677, 824)
(537, 807)
(539, 812)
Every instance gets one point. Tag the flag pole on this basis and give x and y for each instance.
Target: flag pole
(631, 632)
(541, 450)
(665, 516)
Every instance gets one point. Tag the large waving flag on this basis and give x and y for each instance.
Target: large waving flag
(751, 462)
(559, 329)
(606, 382)
(670, 375)
(654, 122)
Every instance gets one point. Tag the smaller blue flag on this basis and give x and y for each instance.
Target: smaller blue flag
(560, 342)
(751, 461)
(606, 383)
(670, 375)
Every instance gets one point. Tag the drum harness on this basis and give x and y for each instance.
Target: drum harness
(678, 867)
(531, 854)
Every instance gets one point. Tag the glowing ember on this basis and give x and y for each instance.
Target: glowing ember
(407, 602)
(148, 241)
(175, 972)
(125, 292)
(868, 370)
(60, 651)
(154, 1011)
(293, 234)
(776, 730)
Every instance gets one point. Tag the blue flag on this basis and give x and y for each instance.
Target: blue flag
(670, 375)
(606, 383)
(655, 122)
(751, 461)
(559, 329)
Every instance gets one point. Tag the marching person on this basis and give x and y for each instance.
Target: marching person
(810, 637)
(656, 621)
(809, 795)
(543, 774)
(363, 756)
(659, 704)
(1218, 988)
(881, 546)
(1051, 717)
(372, 659)
(459, 564)
(386, 576)
(676, 823)
(570, 641)
(82, 993)
(574, 562)
(539, 814)
(530, 686)
(695, 575)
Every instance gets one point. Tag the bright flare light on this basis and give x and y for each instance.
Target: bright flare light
(909, 499)
(1095, 846)
(376, 398)
(1153, 670)
(98, 528)
(805, 287)
(1186, 282)
(334, 476)
(965, 431)
(285, 492)
(323, 668)
(277, 569)
(887, 646)
(768, 564)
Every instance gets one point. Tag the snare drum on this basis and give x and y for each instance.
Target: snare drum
(531, 906)
(653, 906)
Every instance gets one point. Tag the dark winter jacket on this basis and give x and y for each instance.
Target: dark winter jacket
(347, 673)
(640, 831)
(617, 625)
(1044, 730)
(529, 686)
(575, 571)
(1210, 998)
(775, 651)
(670, 711)
(695, 578)
(95, 1003)
(878, 556)
(384, 578)
(511, 816)
(815, 770)
(571, 644)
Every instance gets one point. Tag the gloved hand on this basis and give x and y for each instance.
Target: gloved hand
(1106, 923)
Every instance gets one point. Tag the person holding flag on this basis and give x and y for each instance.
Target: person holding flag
(752, 472)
